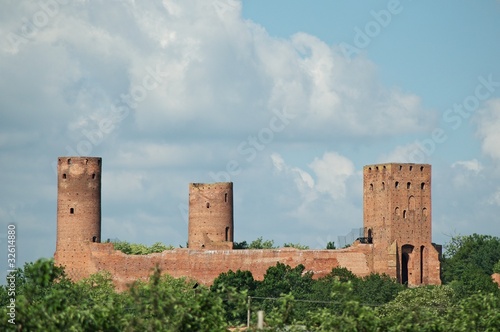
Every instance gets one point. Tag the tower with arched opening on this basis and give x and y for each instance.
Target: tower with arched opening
(397, 217)
(210, 216)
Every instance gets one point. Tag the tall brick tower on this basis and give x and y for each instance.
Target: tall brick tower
(397, 220)
(78, 207)
(210, 216)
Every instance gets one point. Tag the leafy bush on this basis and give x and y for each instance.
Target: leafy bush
(261, 244)
(296, 246)
(496, 267)
(140, 249)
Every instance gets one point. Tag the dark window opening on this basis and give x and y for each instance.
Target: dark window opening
(99, 162)
(396, 185)
(371, 186)
(93, 176)
(422, 186)
(408, 185)
(384, 167)
(369, 169)
(376, 168)
(86, 161)
(208, 205)
(225, 197)
(383, 185)
(227, 234)
(69, 161)
(411, 168)
(421, 168)
(64, 176)
(400, 167)
(71, 211)
(370, 239)
(94, 239)
(404, 214)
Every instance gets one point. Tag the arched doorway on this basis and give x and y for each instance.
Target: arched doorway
(422, 248)
(406, 251)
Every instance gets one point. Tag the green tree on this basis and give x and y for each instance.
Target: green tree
(468, 263)
(47, 301)
(346, 315)
(377, 289)
(479, 312)
(330, 245)
(240, 280)
(240, 245)
(296, 246)
(235, 287)
(261, 244)
(168, 304)
(496, 267)
(418, 309)
(140, 249)
(282, 280)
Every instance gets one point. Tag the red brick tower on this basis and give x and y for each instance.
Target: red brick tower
(78, 207)
(398, 220)
(210, 216)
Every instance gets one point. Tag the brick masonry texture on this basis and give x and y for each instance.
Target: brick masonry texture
(397, 223)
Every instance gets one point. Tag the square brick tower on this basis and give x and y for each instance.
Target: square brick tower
(398, 220)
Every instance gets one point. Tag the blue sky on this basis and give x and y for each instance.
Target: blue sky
(287, 99)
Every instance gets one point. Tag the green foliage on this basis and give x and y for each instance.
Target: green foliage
(239, 280)
(377, 289)
(469, 262)
(168, 304)
(347, 315)
(283, 279)
(46, 300)
(480, 312)
(240, 245)
(330, 245)
(418, 309)
(296, 246)
(140, 249)
(261, 244)
(496, 267)
(235, 287)
(342, 274)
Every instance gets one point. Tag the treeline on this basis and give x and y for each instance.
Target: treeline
(292, 300)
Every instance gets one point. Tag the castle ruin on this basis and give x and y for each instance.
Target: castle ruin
(397, 222)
